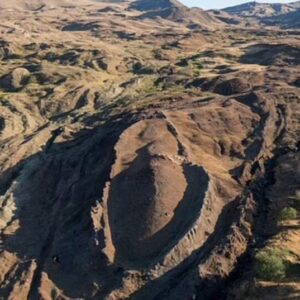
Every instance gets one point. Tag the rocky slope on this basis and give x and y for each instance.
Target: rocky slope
(139, 150)
(258, 10)
(285, 15)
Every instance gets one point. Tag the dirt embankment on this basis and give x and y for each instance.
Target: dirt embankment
(141, 158)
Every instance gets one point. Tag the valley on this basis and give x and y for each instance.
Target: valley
(148, 150)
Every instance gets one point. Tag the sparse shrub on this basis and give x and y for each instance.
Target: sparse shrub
(269, 265)
(196, 73)
(198, 65)
(288, 213)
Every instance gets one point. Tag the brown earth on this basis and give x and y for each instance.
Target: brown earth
(143, 156)
(284, 15)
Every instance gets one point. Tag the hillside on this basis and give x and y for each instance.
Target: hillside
(148, 151)
(40, 4)
(271, 14)
(259, 10)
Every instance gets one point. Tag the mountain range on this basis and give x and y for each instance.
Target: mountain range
(271, 14)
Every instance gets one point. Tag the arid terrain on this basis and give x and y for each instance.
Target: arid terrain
(149, 151)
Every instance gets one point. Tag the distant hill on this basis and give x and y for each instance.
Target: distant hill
(274, 14)
(38, 4)
(144, 5)
(261, 10)
(173, 10)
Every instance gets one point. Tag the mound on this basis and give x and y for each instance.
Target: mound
(15, 80)
(154, 211)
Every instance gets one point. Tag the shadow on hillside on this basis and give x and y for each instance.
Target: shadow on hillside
(268, 54)
(180, 276)
(54, 192)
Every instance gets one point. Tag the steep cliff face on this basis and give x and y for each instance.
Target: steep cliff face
(138, 155)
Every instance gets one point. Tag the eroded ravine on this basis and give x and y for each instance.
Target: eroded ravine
(138, 151)
(170, 205)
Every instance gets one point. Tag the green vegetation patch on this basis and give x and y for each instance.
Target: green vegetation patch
(288, 213)
(270, 264)
(193, 62)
